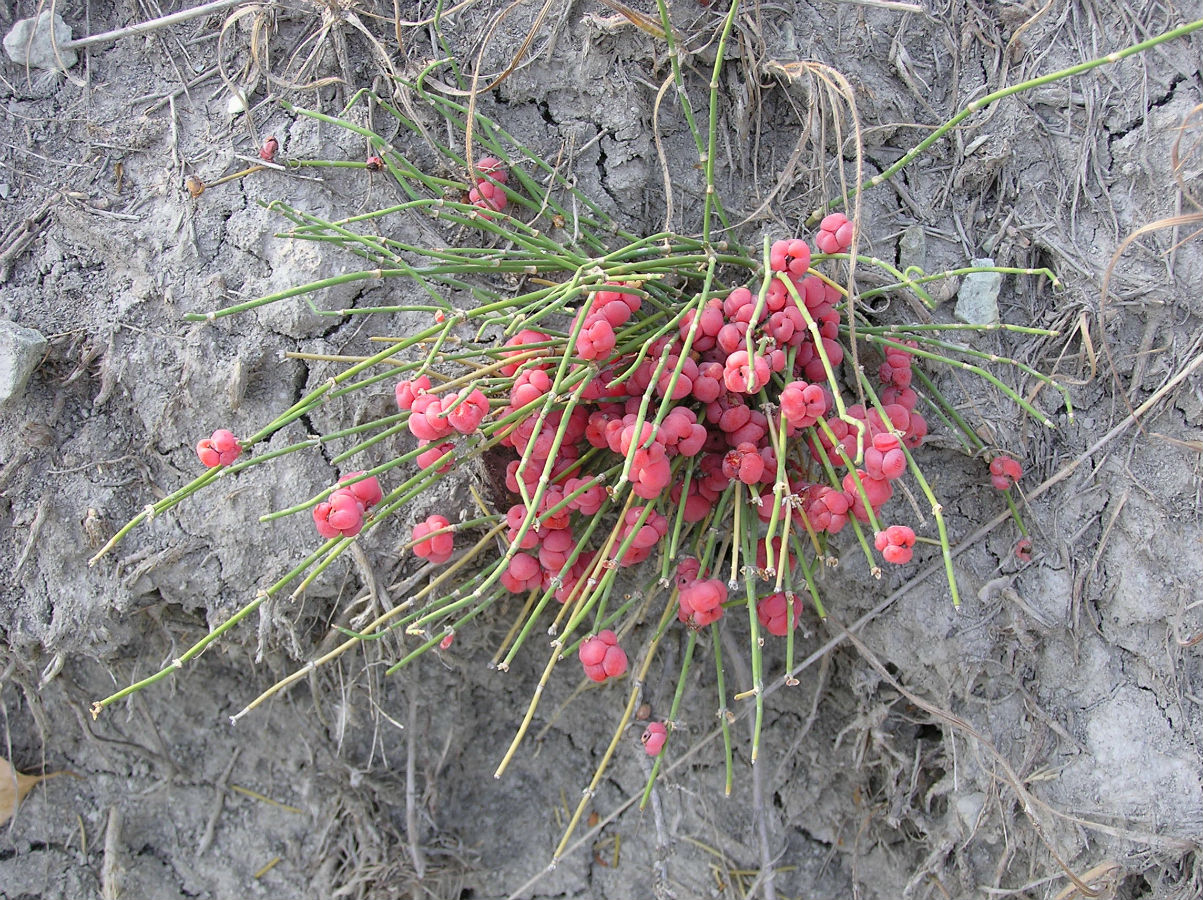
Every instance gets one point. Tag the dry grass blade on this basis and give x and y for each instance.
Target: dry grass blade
(892, 5)
(1169, 222)
(837, 88)
(636, 18)
(1027, 801)
(1181, 162)
(517, 58)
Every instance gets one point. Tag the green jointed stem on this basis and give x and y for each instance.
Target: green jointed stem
(907, 280)
(982, 103)
(602, 621)
(981, 373)
(324, 283)
(582, 542)
(196, 649)
(936, 509)
(755, 640)
(149, 512)
(399, 428)
(780, 485)
(800, 556)
(1015, 512)
(456, 113)
(686, 661)
(724, 714)
(893, 337)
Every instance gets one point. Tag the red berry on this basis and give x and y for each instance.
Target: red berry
(341, 515)
(771, 611)
(367, 490)
(877, 490)
(469, 412)
(791, 256)
(557, 546)
(589, 501)
(835, 234)
(744, 375)
(517, 343)
(731, 336)
(650, 472)
(697, 507)
(596, 339)
(828, 509)
(885, 458)
(488, 196)
(803, 404)
(436, 455)
(374, 163)
(267, 152)
(895, 544)
(492, 168)
(687, 571)
(426, 421)
(601, 656)
(654, 737)
(522, 574)
(407, 391)
(744, 463)
(896, 370)
(593, 651)
(437, 549)
(701, 602)
(221, 449)
(1004, 472)
(1023, 549)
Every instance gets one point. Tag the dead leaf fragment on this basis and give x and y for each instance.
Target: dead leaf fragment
(14, 786)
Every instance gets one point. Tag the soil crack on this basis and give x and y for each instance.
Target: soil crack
(1139, 120)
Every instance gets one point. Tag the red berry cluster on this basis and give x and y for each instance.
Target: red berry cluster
(835, 234)
(433, 418)
(488, 193)
(343, 512)
(608, 310)
(722, 402)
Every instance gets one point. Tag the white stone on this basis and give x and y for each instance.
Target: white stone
(977, 300)
(29, 43)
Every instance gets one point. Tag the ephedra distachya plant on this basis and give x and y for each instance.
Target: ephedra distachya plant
(716, 422)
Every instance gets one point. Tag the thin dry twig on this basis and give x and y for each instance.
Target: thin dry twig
(509, 70)
(175, 18)
(219, 802)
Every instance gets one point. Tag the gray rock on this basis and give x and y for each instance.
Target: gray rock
(29, 42)
(977, 300)
(912, 248)
(21, 350)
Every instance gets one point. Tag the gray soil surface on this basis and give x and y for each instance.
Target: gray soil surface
(1049, 725)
